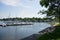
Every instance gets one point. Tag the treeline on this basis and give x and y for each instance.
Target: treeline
(27, 19)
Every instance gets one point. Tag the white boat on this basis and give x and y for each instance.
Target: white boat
(4, 24)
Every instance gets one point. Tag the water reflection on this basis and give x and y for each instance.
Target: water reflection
(18, 32)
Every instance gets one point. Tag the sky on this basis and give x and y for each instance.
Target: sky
(20, 8)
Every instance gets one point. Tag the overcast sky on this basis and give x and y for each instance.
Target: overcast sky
(20, 8)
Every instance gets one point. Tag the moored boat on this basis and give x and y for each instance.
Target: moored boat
(4, 24)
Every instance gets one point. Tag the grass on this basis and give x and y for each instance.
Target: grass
(55, 35)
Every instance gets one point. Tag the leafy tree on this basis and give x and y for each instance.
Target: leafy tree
(53, 8)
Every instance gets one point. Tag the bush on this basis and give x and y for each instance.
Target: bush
(55, 35)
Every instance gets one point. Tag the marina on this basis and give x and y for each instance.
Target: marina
(4, 24)
(20, 32)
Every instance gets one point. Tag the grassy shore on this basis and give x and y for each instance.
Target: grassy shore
(55, 35)
(50, 33)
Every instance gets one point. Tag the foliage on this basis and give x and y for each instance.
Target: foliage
(28, 19)
(55, 35)
(53, 8)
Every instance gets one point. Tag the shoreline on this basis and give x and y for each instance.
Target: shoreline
(36, 35)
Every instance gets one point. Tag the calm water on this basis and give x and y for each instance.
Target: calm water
(19, 32)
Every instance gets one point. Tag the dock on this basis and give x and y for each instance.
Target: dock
(15, 24)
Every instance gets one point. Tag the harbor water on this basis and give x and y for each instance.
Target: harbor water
(21, 31)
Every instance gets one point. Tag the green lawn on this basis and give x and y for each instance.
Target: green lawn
(55, 35)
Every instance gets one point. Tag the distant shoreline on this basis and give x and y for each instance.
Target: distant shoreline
(33, 19)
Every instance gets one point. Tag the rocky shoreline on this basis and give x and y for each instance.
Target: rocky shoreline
(36, 35)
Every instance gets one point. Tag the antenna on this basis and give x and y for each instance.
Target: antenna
(9, 15)
(16, 17)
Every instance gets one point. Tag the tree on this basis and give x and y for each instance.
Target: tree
(53, 8)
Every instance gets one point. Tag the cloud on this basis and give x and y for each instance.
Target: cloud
(14, 3)
(23, 5)
(10, 2)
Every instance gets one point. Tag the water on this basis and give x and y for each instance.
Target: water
(19, 32)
